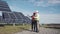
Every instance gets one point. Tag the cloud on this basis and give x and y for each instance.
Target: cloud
(45, 3)
(17, 9)
(54, 1)
(49, 18)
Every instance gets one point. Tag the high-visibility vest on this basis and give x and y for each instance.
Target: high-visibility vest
(37, 17)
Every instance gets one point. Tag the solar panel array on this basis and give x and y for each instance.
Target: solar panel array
(15, 17)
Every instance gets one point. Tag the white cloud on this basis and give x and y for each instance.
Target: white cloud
(54, 1)
(49, 18)
(45, 3)
(17, 9)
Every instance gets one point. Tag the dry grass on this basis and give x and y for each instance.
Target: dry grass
(11, 29)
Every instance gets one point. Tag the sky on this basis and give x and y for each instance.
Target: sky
(49, 10)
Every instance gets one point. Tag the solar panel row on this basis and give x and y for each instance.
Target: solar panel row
(15, 17)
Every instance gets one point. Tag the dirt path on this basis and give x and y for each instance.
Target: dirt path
(41, 31)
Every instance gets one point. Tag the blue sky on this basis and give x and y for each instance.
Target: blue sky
(49, 9)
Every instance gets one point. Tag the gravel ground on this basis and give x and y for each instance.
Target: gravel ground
(41, 31)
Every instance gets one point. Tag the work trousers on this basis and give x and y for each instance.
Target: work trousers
(35, 25)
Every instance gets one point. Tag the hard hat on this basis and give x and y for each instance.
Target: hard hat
(36, 11)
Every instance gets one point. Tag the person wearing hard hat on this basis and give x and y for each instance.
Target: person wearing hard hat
(37, 18)
(35, 21)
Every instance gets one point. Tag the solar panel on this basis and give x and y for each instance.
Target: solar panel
(12, 16)
(4, 6)
(0, 18)
(27, 20)
(5, 15)
(17, 15)
(6, 10)
(21, 14)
